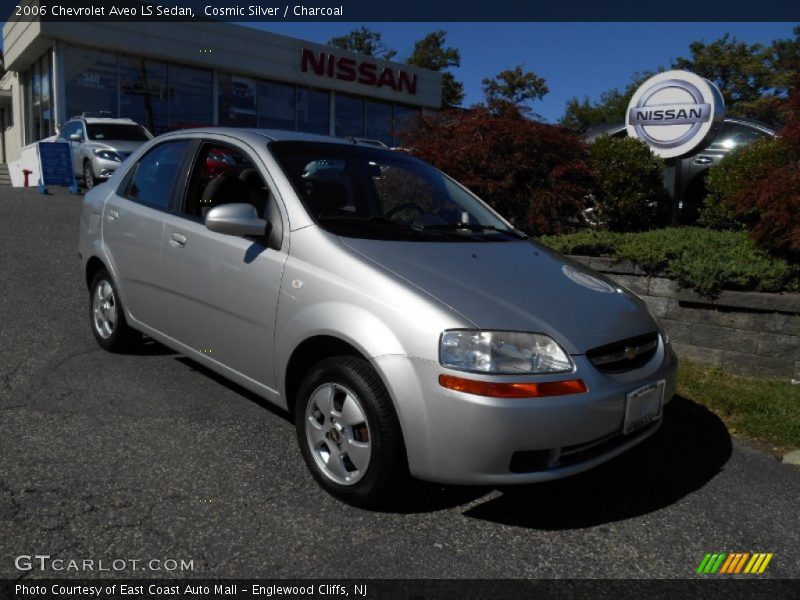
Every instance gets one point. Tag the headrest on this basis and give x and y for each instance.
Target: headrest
(252, 178)
(225, 189)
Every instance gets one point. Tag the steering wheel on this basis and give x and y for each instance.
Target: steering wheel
(404, 206)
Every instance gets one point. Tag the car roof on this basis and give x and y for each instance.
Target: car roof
(104, 120)
(273, 135)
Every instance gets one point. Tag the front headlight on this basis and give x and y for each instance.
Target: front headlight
(502, 352)
(107, 155)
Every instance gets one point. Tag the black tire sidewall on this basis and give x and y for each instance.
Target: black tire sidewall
(88, 175)
(386, 466)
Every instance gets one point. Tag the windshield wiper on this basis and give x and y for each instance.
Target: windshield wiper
(476, 227)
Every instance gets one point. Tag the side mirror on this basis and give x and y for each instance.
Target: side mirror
(235, 219)
(75, 137)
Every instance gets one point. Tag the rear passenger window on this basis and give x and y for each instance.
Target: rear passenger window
(154, 175)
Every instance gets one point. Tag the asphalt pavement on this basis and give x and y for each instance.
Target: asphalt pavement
(150, 456)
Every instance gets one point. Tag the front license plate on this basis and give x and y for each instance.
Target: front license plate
(643, 406)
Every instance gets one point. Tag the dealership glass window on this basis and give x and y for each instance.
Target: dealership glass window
(378, 121)
(237, 101)
(190, 97)
(404, 117)
(48, 126)
(143, 92)
(35, 104)
(276, 105)
(39, 93)
(90, 78)
(349, 113)
(313, 111)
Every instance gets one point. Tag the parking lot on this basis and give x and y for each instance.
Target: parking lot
(150, 456)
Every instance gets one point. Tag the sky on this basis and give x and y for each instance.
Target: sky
(576, 59)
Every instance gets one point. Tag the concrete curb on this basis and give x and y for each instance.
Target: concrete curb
(792, 458)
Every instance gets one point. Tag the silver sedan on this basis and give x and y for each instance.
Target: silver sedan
(407, 327)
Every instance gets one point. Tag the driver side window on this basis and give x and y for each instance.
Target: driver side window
(223, 175)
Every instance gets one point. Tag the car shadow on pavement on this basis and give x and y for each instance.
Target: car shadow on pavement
(235, 387)
(150, 347)
(689, 449)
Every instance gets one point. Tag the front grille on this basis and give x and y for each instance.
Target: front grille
(624, 355)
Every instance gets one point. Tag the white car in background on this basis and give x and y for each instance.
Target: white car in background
(99, 145)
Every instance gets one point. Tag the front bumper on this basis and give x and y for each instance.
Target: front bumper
(459, 438)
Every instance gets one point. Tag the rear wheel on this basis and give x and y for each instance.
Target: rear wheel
(107, 316)
(348, 432)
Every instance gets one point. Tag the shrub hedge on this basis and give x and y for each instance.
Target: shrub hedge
(630, 184)
(733, 178)
(705, 260)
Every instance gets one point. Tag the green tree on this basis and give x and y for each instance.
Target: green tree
(784, 60)
(514, 87)
(431, 53)
(754, 79)
(741, 71)
(581, 115)
(364, 41)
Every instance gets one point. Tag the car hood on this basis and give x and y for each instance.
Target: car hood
(518, 286)
(124, 146)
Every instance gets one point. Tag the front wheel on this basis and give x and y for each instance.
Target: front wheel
(348, 432)
(88, 175)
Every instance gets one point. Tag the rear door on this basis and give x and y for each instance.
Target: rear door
(133, 231)
(224, 289)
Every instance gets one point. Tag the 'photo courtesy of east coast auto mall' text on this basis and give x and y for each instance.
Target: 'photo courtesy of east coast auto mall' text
(423, 300)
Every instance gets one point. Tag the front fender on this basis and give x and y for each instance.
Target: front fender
(352, 324)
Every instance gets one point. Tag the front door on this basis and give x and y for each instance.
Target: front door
(224, 288)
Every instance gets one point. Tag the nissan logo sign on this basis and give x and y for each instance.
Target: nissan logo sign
(675, 113)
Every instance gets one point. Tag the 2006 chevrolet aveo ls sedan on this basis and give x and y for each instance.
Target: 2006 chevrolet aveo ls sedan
(406, 325)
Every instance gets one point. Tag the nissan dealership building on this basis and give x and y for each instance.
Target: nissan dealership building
(183, 74)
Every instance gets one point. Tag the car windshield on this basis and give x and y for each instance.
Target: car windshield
(116, 131)
(368, 192)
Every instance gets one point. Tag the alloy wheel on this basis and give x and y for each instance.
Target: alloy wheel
(104, 309)
(338, 434)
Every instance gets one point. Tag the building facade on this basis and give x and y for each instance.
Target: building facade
(169, 76)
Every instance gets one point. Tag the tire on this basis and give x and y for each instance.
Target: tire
(107, 317)
(88, 175)
(344, 411)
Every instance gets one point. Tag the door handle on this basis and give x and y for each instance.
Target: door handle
(178, 240)
(703, 160)
(113, 215)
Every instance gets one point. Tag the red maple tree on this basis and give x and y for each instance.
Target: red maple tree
(534, 174)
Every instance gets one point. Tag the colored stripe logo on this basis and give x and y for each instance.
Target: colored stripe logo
(734, 563)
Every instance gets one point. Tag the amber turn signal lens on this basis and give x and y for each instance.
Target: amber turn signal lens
(513, 390)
